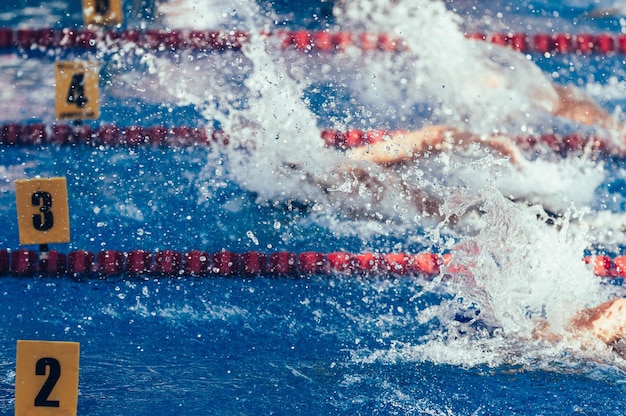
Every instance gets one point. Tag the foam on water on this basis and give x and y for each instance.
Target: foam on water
(281, 129)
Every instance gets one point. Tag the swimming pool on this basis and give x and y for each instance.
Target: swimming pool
(322, 344)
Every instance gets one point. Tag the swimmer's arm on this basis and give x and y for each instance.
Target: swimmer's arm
(408, 146)
(606, 321)
(575, 105)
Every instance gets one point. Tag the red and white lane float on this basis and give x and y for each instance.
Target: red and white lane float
(224, 263)
(36, 134)
(164, 40)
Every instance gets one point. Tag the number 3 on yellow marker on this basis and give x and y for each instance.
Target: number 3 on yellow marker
(42, 211)
(77, 94)
(46, 378)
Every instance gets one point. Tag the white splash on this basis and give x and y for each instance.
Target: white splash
(480, 86)
(524, 270)
(279, 131)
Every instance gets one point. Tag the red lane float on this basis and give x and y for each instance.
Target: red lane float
(53, 263)
(311, 262)
(138, 262)
(225, 263)
(196, 263)
(340, 262)
(282, 263)
(167, 262)
(397, 263)
(617, 269)
(369, 262)
(110, 263)
(80, 263)
(4, 262)
(24, 262)
(254, 263)
(165, 40)
(602, 265)
(428, 263)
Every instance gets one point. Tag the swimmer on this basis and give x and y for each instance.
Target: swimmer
(389, 158)
(606, 322)
(378, 171)
(435, 139)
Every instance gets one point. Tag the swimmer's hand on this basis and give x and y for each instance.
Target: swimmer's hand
(606, 321)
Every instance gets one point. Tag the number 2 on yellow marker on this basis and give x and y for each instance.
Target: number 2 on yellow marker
(46, 378)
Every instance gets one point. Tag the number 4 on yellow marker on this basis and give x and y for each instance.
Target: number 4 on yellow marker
(77, 93)
(46, 378)
(102, 12)
(42, 211)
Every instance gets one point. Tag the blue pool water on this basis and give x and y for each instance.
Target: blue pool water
(330, 344)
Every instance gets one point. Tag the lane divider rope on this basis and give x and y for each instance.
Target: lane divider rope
(37, 134)
(82, 263)
(308, 41)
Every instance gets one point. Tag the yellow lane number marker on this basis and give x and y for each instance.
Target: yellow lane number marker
(42, 211)
(77, 93)
(102, 12)
(46, 378)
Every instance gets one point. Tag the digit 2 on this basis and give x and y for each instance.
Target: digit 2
(45, 220)
(55, 372)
